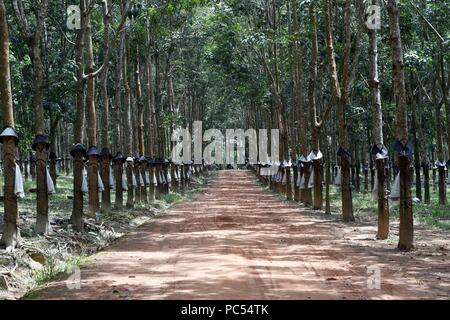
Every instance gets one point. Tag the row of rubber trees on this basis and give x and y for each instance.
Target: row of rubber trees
(144, 179)
(297, 179)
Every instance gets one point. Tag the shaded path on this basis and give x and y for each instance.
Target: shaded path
(236, 241)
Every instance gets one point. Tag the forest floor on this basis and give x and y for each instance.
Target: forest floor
(40, 259)
(237, 240)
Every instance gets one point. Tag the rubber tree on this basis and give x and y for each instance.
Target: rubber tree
(377, 134)
(91, 117)
(128, 130)
(78, 165)
(32, 36)
(406, 233)
(445, 87)
(340, 88)
(416, 131)
(106, 152)
(316, 123)
(11, 234)
(78, 153)
(269, 60)
(108, 40)
(305, 192)
(142, 163)
(294, 115)
(440, 163)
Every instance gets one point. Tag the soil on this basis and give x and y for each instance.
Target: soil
(236, 240)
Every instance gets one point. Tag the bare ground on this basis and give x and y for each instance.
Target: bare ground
(237, 241)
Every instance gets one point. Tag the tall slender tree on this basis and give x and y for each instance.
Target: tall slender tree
(380, 151)
(33, 37)
(340, 88)
(11, 234)
(91, 117)
(406, 236)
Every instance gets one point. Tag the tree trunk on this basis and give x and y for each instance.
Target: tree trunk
(137, 191)
(327, 183)
(340, 94)
(77, 209)
(406, 210)
(383, 203)
(118, 168)
(442, 184)
(130, 192)
(11, 234)
(34, 43)
(426, 175)
(142, 168)
(106, 159)
(377, 134)
(42, 220)
(78, 165)
(128, 130)
(92, 122)
(415, 128)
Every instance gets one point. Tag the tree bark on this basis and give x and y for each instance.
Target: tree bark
(11, 234)
(105, 161)
(442, 184)
(415, 128)
(406, 234)
(92, 121)
(377, 134)
(426, 175)
(341, 92)
(77, 209)
(118, 168)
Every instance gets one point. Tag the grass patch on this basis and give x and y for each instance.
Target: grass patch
(171, 197)
(54, 267)
(365, 207)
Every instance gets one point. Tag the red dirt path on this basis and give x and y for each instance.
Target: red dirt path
(237, 241)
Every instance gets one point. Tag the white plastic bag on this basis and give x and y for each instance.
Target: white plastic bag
(18, 183)
(50, 184)
(337, 179)
(111, 179)
(101, 187)
(133, 180)
(299, 179)
(302, 181)
(124, 183)
(375, 186)
(154, 180)
(395, 190)
(311, 180)
(141, 180)
(84, 184)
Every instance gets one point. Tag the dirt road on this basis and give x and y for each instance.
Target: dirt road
(237, 241)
